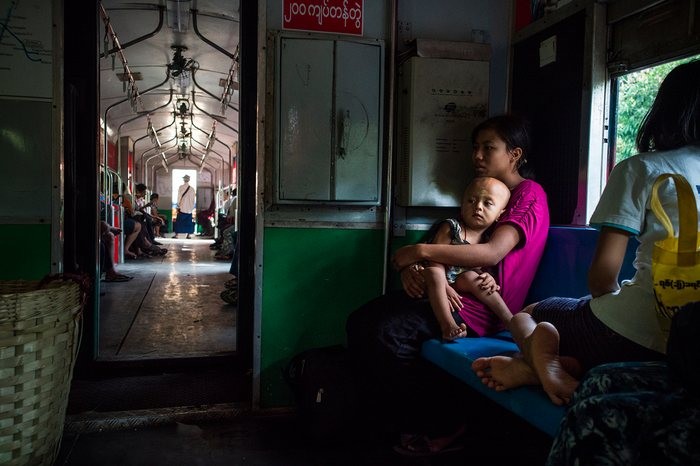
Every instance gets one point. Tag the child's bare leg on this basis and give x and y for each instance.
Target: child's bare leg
(436, 284)
(468, 282)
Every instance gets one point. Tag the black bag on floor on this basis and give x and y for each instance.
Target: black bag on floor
(324, 385)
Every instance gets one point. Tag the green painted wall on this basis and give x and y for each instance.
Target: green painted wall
(412, 237)
(27, 252)
(168, 214)
(312, 280)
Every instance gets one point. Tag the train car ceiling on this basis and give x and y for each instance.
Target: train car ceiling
(169, 88)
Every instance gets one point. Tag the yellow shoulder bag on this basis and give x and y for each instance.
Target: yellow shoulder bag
(675, 262)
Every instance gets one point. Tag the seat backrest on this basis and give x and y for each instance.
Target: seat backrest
(563, 270)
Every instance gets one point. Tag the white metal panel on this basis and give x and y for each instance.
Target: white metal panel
(329, 136)
(438, 112)
(305, 80)
(358, 123)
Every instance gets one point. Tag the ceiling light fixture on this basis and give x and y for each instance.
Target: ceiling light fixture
(183, 83)
(180, 69)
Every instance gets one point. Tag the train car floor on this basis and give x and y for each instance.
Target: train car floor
(171, 308)
(269, 439)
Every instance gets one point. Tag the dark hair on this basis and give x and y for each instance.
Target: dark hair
(673, 120)
(140, 187)
(155, 196)
(513, 129)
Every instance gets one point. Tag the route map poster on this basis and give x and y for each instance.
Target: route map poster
(26, 49)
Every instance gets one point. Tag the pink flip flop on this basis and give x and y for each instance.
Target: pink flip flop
(422, 445)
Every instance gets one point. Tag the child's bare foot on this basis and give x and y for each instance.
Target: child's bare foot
(550, 369)
(453, 332)
(503, 372)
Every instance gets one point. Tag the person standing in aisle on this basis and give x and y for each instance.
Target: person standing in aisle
(185, 206)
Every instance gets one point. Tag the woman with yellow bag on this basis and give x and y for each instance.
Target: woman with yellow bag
(561, 338)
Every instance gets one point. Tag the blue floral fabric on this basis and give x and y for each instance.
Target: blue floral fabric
(629, 413)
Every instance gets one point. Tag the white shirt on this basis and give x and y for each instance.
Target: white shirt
(186, 202)
(231, 210)
(625, 204)
(225, 206)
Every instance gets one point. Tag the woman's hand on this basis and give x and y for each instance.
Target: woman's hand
(405, 256)
(454, 299)
(413, 281)
(487, 283)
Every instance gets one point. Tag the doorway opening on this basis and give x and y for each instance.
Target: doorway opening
(171, 118)
(110, 373)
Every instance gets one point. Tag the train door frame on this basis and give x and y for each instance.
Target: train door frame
(249, 164)
(81, 66)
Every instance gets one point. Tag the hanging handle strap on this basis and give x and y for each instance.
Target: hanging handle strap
(687, 217)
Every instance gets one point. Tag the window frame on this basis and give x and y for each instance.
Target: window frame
(630, 53)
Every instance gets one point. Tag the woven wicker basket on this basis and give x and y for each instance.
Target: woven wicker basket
(38, 345)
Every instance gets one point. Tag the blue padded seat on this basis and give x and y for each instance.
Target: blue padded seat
(530, 403)
(563, 271)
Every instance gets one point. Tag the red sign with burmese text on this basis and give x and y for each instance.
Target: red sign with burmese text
(336, 16)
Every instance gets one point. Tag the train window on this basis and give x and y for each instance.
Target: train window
(635, 94)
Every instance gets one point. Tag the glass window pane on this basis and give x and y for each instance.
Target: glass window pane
(636, 93)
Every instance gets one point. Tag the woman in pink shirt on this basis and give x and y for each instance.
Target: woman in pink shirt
(386, 334)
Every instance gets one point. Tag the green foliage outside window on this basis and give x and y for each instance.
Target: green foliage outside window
(636, 94)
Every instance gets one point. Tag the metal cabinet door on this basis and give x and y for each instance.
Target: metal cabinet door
(305, 114)
(329, 128)
(357, 115)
